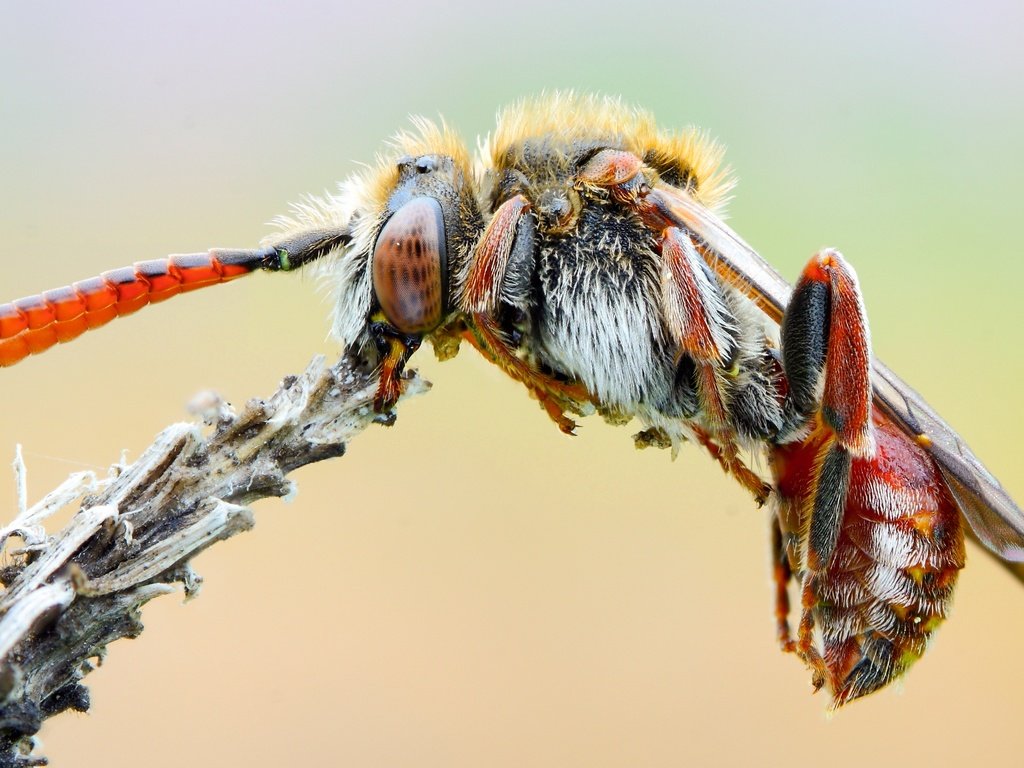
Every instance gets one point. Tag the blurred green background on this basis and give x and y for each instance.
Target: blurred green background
(471, 587)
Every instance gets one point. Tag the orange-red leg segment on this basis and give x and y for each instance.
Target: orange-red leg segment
(695, 313)
(498, 275)
(555, 397)
(826, 349)
(490, 265)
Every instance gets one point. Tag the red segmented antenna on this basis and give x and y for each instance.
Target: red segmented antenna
(34, 324)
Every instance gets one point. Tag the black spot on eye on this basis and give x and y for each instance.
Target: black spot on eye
(425, 165)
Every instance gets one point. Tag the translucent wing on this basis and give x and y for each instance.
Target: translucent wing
(994, 517)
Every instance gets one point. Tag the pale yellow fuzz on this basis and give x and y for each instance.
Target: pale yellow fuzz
(360, 205)
(582, 117)
(425, 138)
(361, 202)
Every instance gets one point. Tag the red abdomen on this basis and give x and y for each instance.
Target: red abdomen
(889, 582)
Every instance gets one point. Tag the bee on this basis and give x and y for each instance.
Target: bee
(582, 252)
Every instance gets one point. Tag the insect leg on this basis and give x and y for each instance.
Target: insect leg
(696, 315)
(505, 250)
(784, 550)
(496, 298)
(782, 575)
(826, 354)
(394, 349)
(728, 459)
(694, 309)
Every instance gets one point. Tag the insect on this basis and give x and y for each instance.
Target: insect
(582, 253)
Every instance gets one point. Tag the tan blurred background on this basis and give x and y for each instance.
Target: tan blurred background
(471, 588)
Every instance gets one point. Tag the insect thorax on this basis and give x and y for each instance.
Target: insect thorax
(595, 296)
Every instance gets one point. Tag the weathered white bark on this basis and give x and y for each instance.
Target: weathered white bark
(69, 593)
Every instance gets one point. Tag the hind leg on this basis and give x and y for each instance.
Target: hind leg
(826, 358)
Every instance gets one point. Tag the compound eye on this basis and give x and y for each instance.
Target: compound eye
(410, 267)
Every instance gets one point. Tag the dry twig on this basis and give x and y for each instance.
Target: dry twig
(69, 594)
